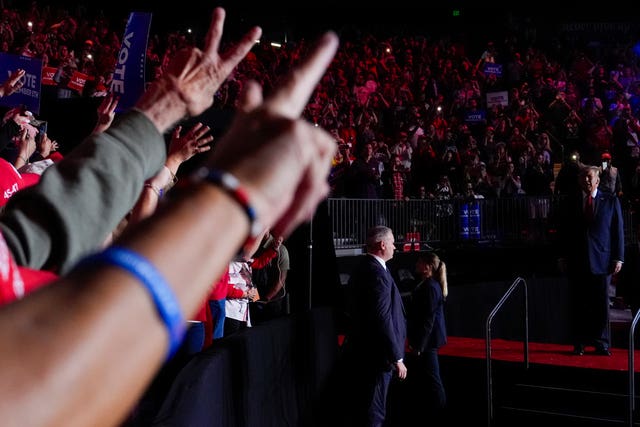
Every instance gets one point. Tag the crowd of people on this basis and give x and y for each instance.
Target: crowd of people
(410, 111)
(396, 118)
(70, 42)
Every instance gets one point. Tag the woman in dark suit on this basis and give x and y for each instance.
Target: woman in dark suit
(426, 332)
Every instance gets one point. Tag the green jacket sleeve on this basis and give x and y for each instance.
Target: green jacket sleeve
(81, 199)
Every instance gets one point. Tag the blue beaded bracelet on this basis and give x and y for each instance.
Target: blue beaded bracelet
(163, 297)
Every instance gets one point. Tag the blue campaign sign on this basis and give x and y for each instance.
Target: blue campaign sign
(129, 75)
(29, 94)
(474, 116)
(492, 68)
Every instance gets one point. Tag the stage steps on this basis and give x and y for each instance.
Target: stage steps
(560, 395)
(542, 395)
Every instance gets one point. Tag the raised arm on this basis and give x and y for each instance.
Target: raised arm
(106, 112)
(83, 198)
(281, 162)
(182, 147)
(13, 83)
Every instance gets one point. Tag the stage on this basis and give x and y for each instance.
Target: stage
(539, 353)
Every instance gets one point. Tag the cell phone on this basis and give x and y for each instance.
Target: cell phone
(42, 129)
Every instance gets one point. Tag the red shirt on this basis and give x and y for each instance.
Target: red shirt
(15, 281)
(219, 289)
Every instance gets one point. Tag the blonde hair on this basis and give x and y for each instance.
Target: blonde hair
(439, 269)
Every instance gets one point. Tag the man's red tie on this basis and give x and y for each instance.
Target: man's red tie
(588, 208)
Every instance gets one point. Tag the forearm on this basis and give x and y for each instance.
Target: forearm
(146, 205)
(100, 127)
(618, 252)
(106, 302)
(81, 199)
(394, 350)
(163, 104)
(21, 160)
(264, 258)
(68, 351)
(208, 211)
(154, 189)
(173, 164)
(234, 293)
(274, 290)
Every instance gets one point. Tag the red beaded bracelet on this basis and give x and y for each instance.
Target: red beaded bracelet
(232, 186)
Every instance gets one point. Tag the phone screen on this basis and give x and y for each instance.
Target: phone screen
(42, 129)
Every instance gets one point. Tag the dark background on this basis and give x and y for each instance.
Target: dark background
(303, 18)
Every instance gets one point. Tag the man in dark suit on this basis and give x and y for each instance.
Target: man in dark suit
(375, 342)
(592, 249)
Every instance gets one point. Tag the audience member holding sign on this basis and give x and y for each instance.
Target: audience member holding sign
(13, 83)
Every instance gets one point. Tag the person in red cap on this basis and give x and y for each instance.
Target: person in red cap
(610, 180)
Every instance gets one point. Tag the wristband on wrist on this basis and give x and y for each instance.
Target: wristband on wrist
(232, 186)
(174, 179)
(161, 293)
(159, 191)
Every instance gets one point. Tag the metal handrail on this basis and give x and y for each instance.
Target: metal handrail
(499, 305)
(632, 392)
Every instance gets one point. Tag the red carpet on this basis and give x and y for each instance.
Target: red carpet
(546, 354)
(550, 354)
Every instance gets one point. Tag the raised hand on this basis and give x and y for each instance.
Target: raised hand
(45, 145)
(194, 76)
(192, 142)
(13, 83)
(26, 146)
(106, 112)
(268, 146)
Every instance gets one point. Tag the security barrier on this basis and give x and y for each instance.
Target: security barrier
(503, 220)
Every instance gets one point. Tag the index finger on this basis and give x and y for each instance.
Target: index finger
(16, 75)
(292, 96)
(212, 41)
(235, 53)
(113, 102)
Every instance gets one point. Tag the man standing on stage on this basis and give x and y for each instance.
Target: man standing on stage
(591, 234)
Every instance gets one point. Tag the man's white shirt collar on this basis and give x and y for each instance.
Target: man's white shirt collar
(380, 260)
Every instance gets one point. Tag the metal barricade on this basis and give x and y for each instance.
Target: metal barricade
(515, 220)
